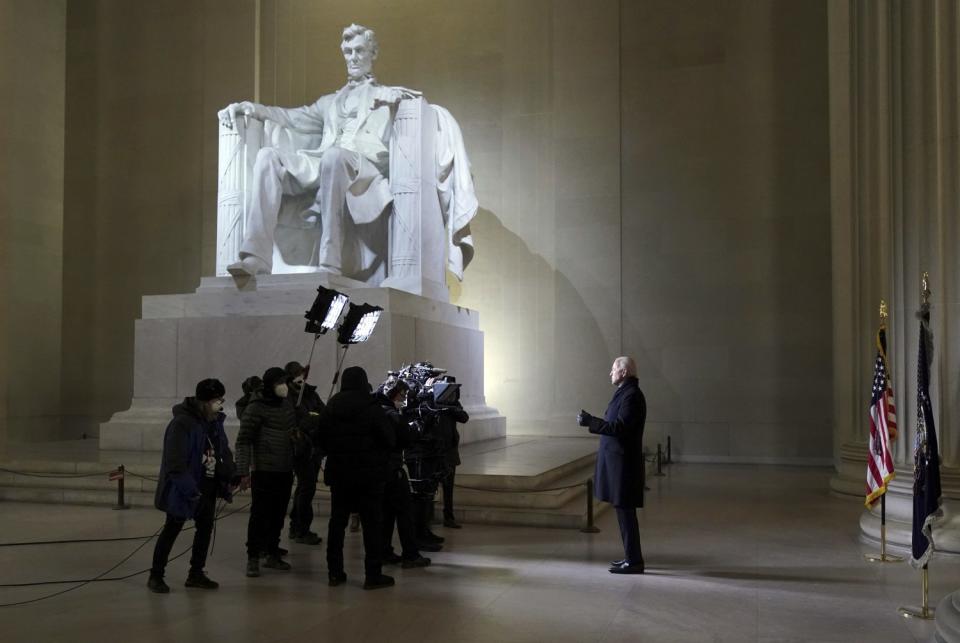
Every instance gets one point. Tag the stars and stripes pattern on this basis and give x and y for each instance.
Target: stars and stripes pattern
(883, 426)
(926, 453)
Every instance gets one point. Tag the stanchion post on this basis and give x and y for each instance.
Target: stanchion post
(659, 472)
(590, 528)
(669, 451)
(121, 503)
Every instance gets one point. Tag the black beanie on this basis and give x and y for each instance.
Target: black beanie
(293, 369)
(355, 379)
(209, 389)
(251, 384)
(273, 376)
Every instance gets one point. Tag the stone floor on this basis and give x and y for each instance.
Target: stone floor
(734, 553)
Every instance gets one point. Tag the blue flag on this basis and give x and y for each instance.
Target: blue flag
(926, 453)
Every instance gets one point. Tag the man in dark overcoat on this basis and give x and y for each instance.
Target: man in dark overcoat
(618, 478)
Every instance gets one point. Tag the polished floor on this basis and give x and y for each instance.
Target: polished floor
(734, 553)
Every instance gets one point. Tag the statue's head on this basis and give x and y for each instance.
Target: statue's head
(359, 47)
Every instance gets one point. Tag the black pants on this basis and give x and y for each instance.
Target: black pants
(271, 494)
(448, 493)
(398, 508)
(422, 514)
(368, 502)
(203, 521)
(301, 514)
(630, 534)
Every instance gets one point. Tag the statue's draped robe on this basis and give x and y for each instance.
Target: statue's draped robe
(311, 130)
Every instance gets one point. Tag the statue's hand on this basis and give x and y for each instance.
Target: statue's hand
(393, 95)
(228, 114)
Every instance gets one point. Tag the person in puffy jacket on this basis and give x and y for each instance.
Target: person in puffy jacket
(196, 468)
(264, 444)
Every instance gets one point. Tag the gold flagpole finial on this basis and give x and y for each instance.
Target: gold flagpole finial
(883, 313)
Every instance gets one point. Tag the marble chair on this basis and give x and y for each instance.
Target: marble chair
(404, 249)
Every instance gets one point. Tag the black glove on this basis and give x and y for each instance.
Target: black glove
(584, 418)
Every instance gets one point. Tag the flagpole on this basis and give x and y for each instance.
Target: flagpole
(884, 557)
(924, 612)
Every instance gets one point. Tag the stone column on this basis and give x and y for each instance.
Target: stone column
(895, 197)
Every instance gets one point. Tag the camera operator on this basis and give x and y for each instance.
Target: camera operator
(265, 441)
(397, 507)
(449, 416)
(357, 437)
(196, 468)
(306, 454)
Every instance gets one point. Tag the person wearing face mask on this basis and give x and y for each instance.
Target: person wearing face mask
(265, 445)
(196, 468)
(306, 454)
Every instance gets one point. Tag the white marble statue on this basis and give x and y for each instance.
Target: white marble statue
(335, 157)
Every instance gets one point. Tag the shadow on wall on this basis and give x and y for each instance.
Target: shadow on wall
(546, 355)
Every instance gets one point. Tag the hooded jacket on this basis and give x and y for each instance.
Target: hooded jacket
(189, 434)
(356, 435)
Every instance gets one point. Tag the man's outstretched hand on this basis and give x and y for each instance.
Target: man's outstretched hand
(584, 418)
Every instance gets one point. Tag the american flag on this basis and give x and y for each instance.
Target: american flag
(883, 426)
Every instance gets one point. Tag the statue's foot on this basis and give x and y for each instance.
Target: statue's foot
(249, 266)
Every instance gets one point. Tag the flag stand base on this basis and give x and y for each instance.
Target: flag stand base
(925, 613)
(882, 558)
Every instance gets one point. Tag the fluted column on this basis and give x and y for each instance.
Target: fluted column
(895, 196)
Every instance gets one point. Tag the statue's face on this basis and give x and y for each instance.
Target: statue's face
(358, 56)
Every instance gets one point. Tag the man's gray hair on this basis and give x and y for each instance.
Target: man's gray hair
(369, 37)
(627, 364)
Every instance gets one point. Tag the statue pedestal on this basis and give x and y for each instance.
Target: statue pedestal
(231, 330)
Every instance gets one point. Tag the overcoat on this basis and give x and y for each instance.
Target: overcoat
(618, 478)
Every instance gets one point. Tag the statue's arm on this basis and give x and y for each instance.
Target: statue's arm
(307, 119)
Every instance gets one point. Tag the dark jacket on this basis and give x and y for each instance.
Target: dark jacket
(357, 437)
(181, 466)
(306, 438)
(449, 417)
(264, 440)
(243, 402)
(404, 434)
(618, 478)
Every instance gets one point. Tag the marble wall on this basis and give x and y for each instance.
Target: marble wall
(653, 179)
(144, 82)
(706, 253)
(32, 43)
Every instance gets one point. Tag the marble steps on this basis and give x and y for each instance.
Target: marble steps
(485, 503)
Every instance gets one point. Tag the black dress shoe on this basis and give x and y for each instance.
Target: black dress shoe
(336, 579)
(157, 586)
(378, 582)
(450, 523)
(200, 580)
(617, 563)
(422, 546)
(627, 568)
(391, 559)
(430, 537)
(419, 561)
